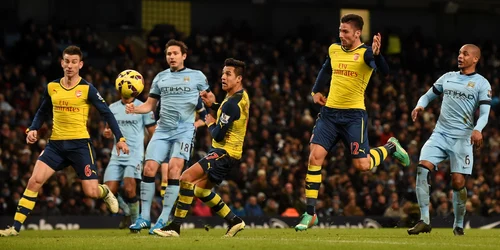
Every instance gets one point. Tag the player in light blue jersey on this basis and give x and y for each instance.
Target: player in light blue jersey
(178, 88)
(128, 168)
(455, 134)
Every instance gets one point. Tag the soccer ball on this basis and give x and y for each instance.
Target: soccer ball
(129, 83)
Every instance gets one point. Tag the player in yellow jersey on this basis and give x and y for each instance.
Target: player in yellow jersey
(67, 100)
(228, 134)
(347, 69)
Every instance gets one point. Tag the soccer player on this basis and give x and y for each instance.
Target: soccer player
(347, 69)
(179, 89)
(128, 168)
(228, 133)
(454, 135)
(67, 100)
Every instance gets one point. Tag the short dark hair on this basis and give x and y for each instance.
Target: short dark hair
(239, 66)
(355, 20)
(73, 50)
(181, 44)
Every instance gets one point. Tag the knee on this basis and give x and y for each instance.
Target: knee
(201, 192)
(361, 164)
(457, 181)
(150, 169)
(92, 192)
(34, 184)
(129, 189)
(316, 158)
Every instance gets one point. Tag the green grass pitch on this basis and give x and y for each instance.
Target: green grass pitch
(275, 239)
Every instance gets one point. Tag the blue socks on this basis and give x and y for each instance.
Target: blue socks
(423, 193)
(147, 194)
(459, 199)
(171, 193)
(123, 205)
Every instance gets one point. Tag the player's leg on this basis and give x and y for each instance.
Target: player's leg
(355, 131)
(49, 161)
(156, 152)
(174, 168)
(113, 176)
(188, 181)
(324, 137)
(131, 173)
(82, 156)
(433, 152)
(179, 154)
(462, 160)
(198, 181)
(41, 173)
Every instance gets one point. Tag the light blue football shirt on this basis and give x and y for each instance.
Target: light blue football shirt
(132, 127)
(178, 93)
(462, 94)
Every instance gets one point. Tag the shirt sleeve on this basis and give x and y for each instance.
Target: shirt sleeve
(155, 92)
(96, 99)
(324, 76)
(43, 112)
(203, 83)
(148, 119)
(485, 93)
(229, 113)
(376, 62)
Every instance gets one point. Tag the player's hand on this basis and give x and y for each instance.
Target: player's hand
(208, 98)
(209, 119)
(476, 138)
(107, 133)
(32, 137)
(415, 112)
(199, 123)
(377, 42)
(130, 108)
(319, 98)
(122, 146)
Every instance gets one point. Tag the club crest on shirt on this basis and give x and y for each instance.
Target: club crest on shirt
(471, 85)
(356, 57)
(186, 79)
(224, 119)
(78, 93)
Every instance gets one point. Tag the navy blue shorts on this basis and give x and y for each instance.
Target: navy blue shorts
(79, 153)
(348, 125)
(217, 165)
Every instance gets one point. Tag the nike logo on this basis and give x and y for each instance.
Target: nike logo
(93, 171)
(361, 150)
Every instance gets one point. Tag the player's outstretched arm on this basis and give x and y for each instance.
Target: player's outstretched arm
(96, 99)
(424, 100)
(373, 56)
(144, 108)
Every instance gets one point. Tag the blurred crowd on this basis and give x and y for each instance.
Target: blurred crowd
(269, 180)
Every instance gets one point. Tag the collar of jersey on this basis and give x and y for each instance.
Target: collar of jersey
(178, 70)
(60, 83)
(470, 74)
(345, 50)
